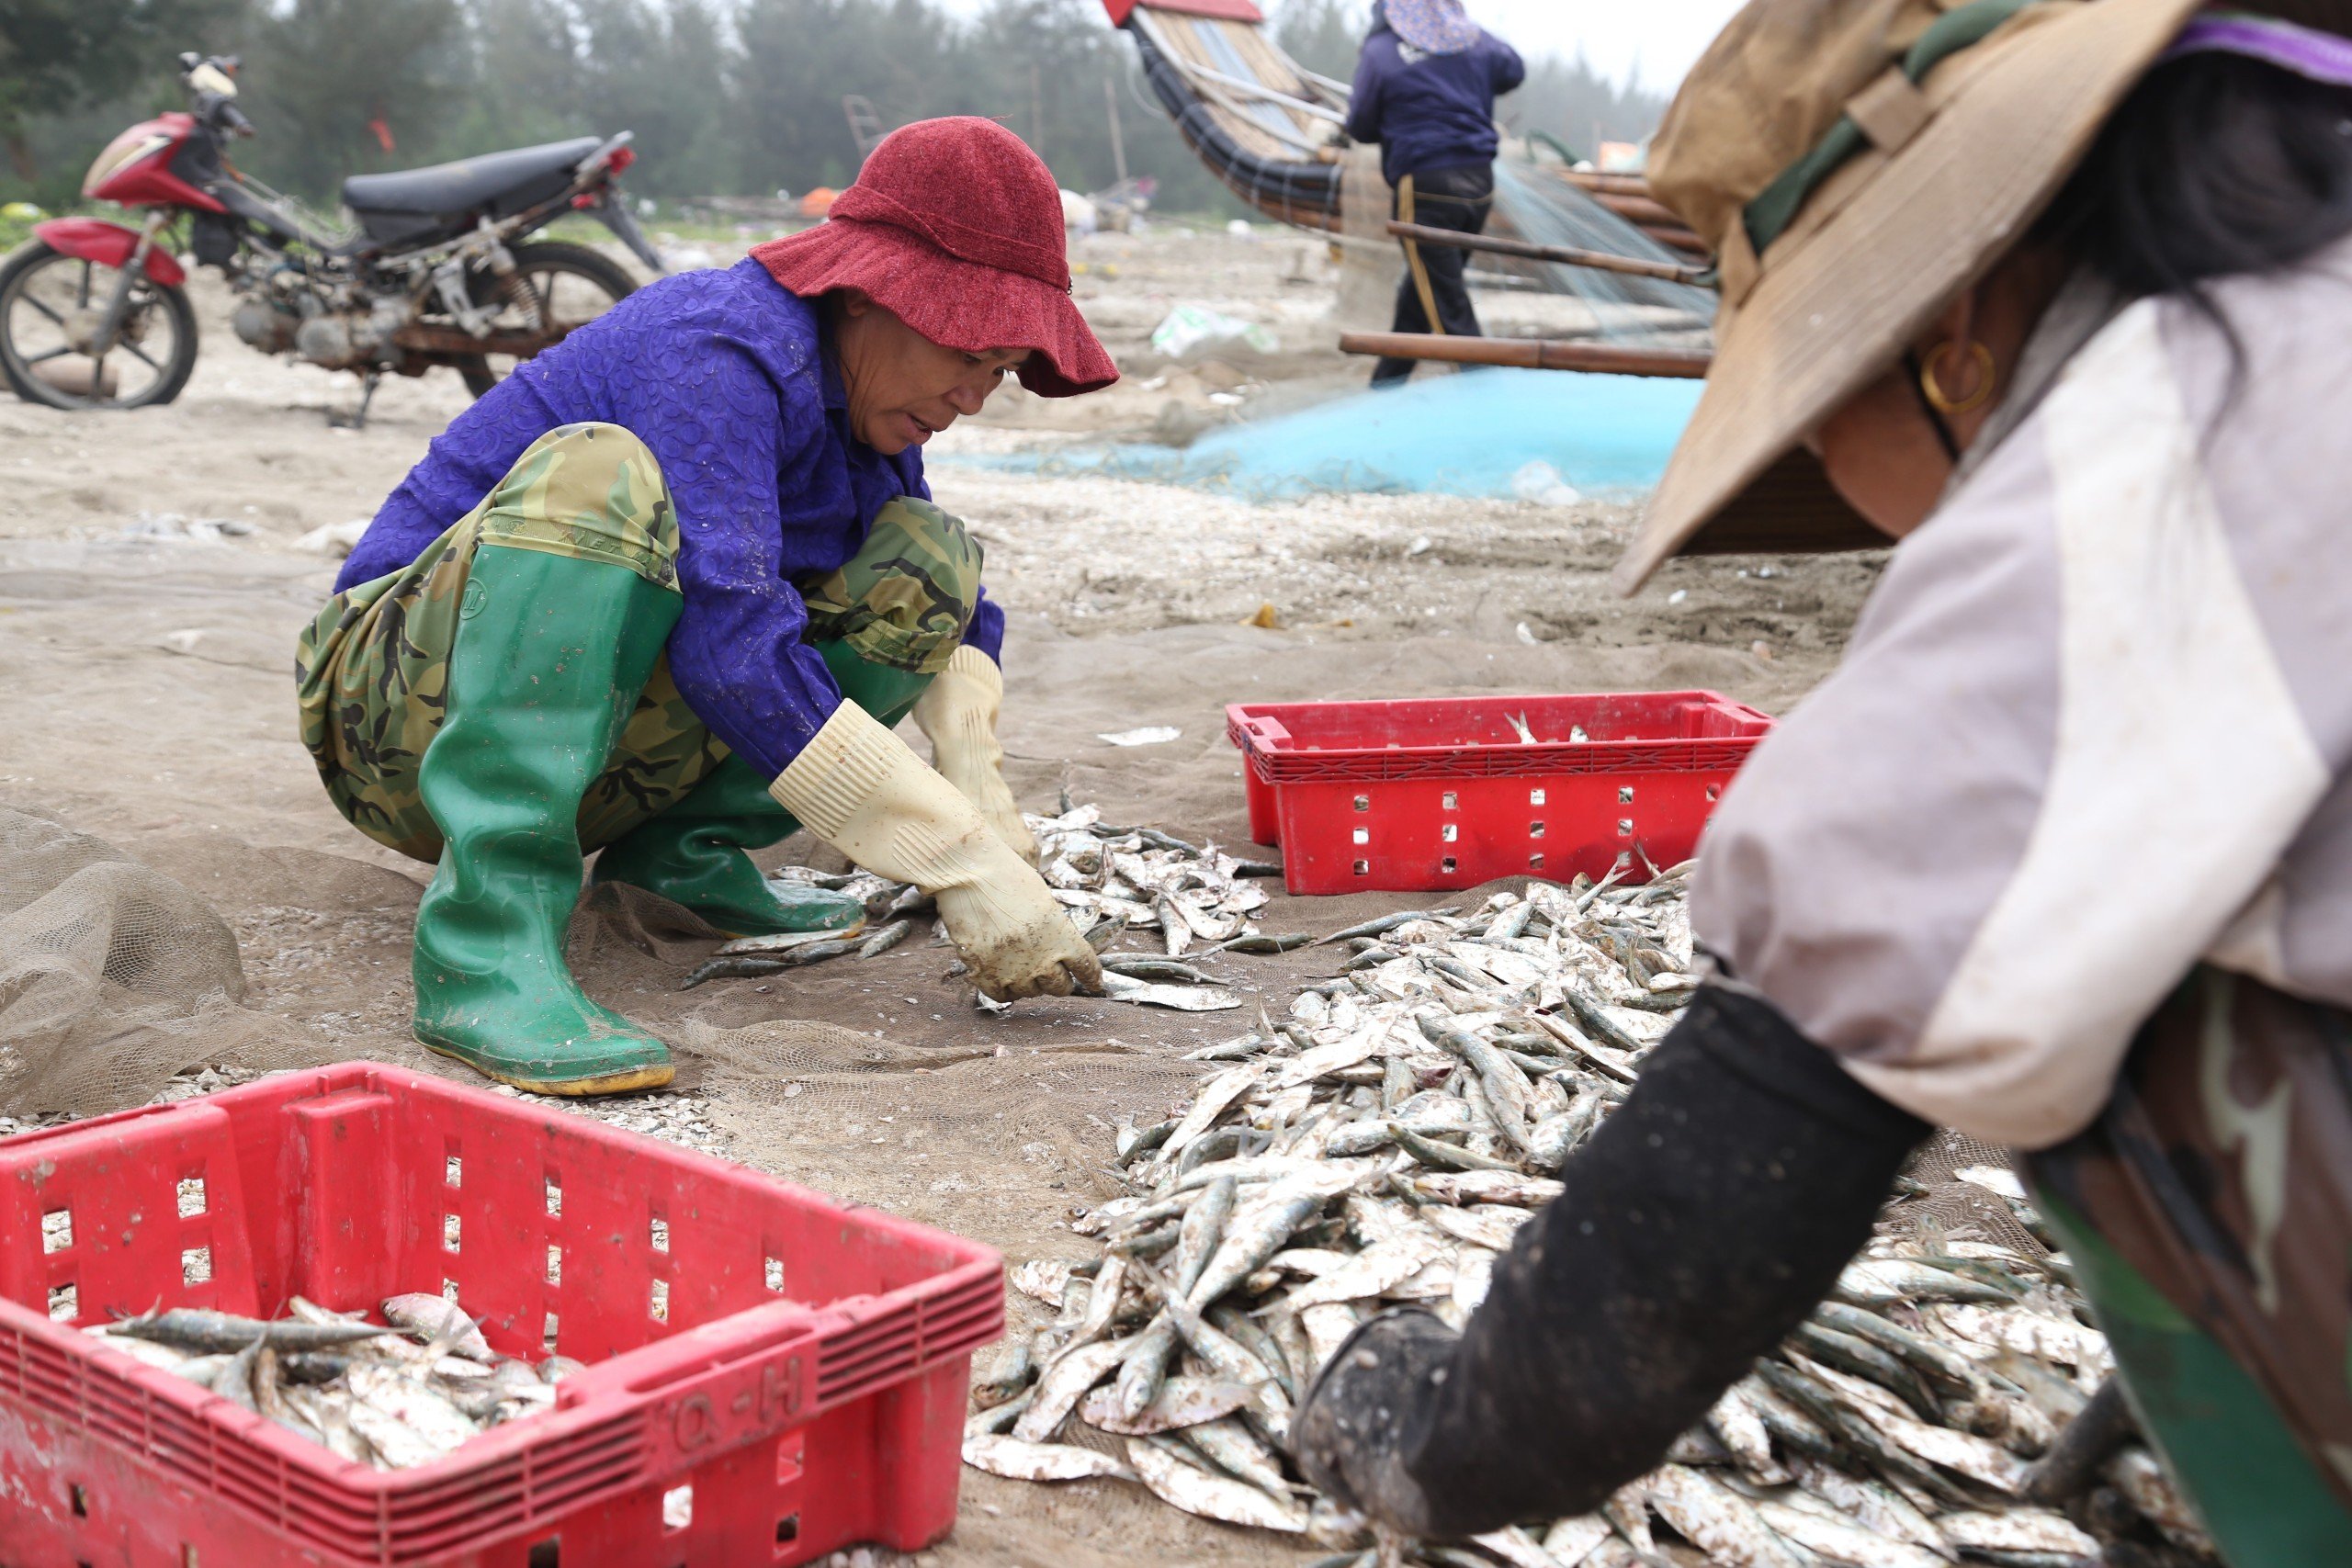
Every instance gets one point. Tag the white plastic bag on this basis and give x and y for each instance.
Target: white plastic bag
(1191, 327)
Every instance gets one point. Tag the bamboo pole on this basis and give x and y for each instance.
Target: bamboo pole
(1599, 261)
(1528, 353)
(1615, 185)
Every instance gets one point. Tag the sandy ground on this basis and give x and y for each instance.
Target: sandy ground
(148, 702)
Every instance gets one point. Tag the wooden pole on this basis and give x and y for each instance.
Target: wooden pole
(1599, 261)
(1615, 185)
(1529, 353)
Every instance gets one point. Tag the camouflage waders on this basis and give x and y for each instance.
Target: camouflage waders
(372, 667)
(503, 704)
(2209, 1216)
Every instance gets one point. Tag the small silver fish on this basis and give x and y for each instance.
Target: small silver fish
(1119, 987)
(1229, 1444)
(1018, 1460)
(785, 941)
(431, 1317)
(1180, 1402)
(1840, 1540)
(885, 938)
(1196, 1491)
(2015, 1529)
(1716, 1520)
(1064, 1384)
(1005, 1373)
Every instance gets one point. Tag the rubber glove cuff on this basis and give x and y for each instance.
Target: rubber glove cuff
(861, 789)
(957, 712)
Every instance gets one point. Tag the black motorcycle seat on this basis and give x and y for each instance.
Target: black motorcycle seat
(466, 184)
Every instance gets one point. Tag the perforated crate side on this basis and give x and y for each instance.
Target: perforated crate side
(730, 1401)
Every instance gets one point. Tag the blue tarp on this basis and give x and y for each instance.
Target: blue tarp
(1460, 434)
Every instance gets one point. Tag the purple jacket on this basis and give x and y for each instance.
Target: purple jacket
(731, 381)
(1430, 111)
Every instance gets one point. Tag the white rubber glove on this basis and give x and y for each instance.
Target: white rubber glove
(858, 787)
(957, 712)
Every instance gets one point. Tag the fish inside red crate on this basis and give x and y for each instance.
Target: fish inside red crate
(391, 1394)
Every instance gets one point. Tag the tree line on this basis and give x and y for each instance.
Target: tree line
(725, 96)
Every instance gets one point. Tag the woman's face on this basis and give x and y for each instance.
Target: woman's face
(1880, 453)
(904, 389)
(1881, 447)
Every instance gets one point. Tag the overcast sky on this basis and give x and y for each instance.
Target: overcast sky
(1658, 37)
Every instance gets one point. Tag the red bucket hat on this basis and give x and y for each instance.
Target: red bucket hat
(955, 227)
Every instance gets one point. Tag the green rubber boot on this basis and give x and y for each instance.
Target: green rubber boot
(695, 854)
(547, 664)
(2262, 1499)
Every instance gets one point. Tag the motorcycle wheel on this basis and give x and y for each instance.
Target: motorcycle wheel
(574, 284)
(48, 304)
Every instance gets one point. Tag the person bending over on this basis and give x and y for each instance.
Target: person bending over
(663, 591)
(2060, 856)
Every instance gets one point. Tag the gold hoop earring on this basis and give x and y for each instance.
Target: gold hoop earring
(1980, 360)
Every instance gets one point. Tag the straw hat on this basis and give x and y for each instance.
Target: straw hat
(1855, 165)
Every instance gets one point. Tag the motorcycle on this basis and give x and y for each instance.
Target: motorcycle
(94, 314)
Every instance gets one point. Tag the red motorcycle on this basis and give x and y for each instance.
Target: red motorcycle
(93, 314)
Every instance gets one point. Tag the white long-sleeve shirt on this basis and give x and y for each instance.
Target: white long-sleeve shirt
(2094, 727)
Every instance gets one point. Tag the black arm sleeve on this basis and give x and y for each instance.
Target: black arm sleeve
(1708, 1215)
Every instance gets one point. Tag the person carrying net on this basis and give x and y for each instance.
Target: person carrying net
(663, 592)
(1425, 90)
(2053, 291)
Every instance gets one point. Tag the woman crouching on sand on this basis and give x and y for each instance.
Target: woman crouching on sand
(2060, 856)
(663, 592)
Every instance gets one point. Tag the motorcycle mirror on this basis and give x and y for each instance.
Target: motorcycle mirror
(209, 78)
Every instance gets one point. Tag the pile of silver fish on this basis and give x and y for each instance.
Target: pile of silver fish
(1111, 880)
(390, 1395)
(1384, 1142)
(1194, 900)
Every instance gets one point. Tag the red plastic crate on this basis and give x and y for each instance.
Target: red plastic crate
(805, 1376)
(1441, 792)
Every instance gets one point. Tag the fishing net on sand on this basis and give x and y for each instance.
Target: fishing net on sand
(1950, 1207)
(1542, 299)
(992, 1128)
(113, 977)
(1370, 266)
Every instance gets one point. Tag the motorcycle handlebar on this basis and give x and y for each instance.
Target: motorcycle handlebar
(212, 87)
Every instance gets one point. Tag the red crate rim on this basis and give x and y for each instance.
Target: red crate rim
(1245, 727)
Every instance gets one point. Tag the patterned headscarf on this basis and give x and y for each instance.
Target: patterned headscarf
(1434, 27)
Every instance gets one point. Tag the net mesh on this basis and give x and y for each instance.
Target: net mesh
(1371, 264)
(1532, 204)
(113, 977)
(1956, 1209)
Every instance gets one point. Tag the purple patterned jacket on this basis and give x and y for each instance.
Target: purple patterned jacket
(729, 379)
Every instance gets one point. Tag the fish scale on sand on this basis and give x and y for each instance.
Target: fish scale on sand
(1383, 1140)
